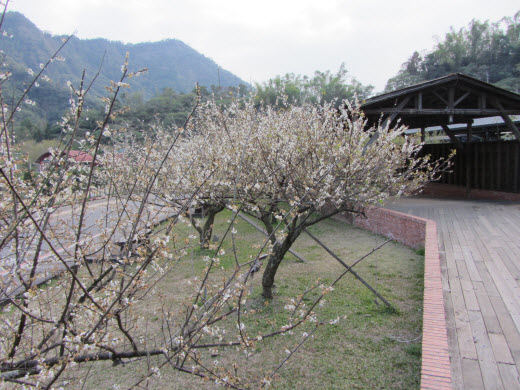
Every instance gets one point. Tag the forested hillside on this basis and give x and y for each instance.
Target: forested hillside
(171, 64)
(489, 51)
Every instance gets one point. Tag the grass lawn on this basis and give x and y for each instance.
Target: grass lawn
(369, 348)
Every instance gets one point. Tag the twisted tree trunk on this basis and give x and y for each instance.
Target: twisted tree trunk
(206, 231)
(276, 257)
(280, 249)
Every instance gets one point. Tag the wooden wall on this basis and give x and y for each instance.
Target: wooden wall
(492, 165)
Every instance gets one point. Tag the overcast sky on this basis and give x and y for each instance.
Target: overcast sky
(257, 40)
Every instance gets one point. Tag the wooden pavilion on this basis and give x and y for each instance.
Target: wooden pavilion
(482, 161)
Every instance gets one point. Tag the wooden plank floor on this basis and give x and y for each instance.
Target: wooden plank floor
(480, 258)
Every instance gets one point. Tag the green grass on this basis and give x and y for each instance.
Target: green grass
(361, 351)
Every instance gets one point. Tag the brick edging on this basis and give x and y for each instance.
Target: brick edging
(404, 228)
(436, 369)
(414, 231)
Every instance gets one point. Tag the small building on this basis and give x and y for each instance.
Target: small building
(478, 118)
(75, 155)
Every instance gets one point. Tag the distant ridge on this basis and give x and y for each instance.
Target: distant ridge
(171, 63)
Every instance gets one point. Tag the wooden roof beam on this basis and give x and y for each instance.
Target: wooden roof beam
(440, 111)
(510, 124)
(388, 121)
(459, 100)
(440, 98)
(453, 139)
(507, 120)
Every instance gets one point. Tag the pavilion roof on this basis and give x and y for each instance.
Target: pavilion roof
(455, 98)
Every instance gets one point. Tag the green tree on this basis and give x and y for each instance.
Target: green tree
(484, 50)
(323, 87)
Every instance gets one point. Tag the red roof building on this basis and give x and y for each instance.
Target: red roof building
(74, 155)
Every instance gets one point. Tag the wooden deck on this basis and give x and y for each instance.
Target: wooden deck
(480, 259)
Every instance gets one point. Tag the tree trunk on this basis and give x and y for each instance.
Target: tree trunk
(293, 228)
(276, 257)
(206, 231)
(266, 220)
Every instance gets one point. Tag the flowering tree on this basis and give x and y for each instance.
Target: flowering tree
(294, 167)
(322, 164)
(192, 169)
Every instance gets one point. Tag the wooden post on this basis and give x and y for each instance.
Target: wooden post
(423, 134)
(460, 172)
(451, 101)
(467, 151)
(491, 169)
(499, 166)
(508, 185)
(482, 101)
(516, 151)
(477, 174)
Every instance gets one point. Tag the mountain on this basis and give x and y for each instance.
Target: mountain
(171, 64)
(484, 50)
